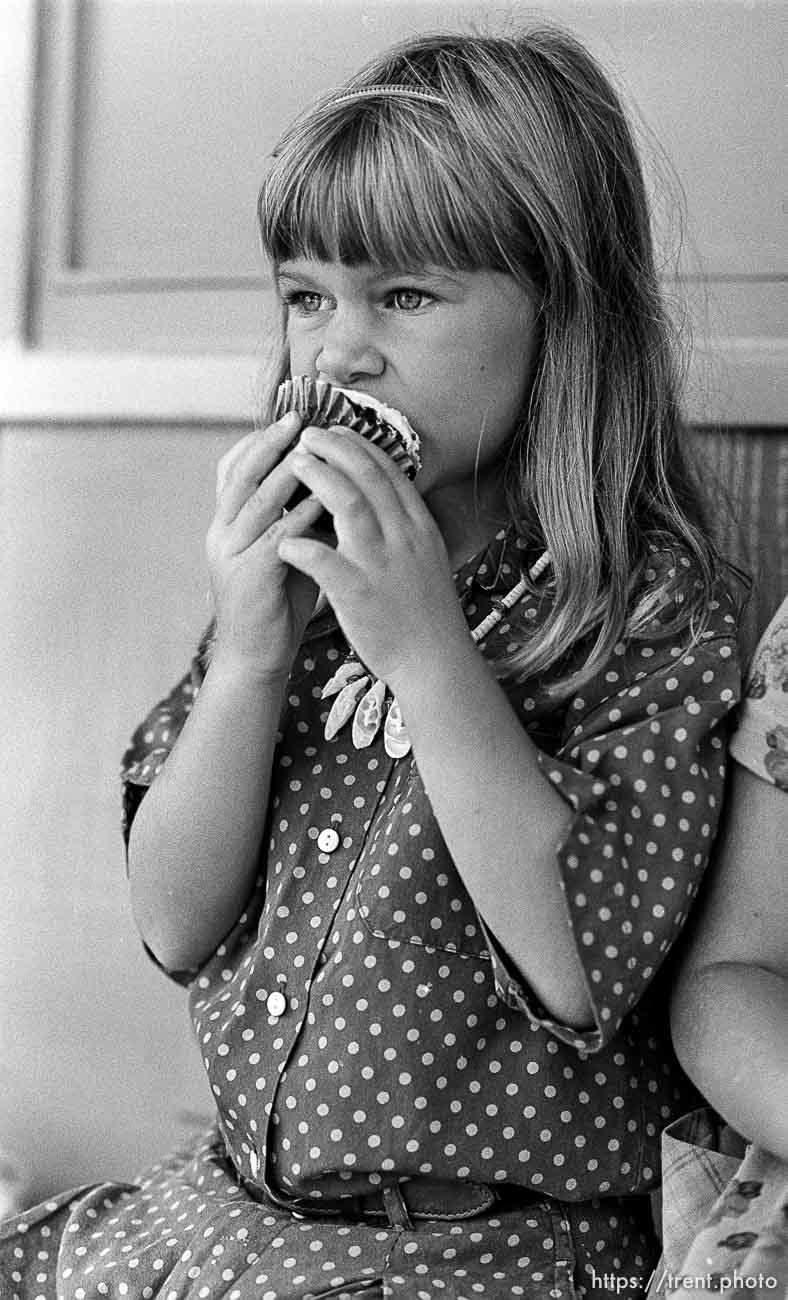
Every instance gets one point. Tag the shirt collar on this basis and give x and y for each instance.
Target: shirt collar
(488, 569)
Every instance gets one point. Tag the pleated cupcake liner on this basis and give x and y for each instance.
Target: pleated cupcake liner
(322, 405)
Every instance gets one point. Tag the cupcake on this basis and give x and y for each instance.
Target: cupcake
(323, 404)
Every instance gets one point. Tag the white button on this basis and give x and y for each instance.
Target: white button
(328, 840)
(276, 1003)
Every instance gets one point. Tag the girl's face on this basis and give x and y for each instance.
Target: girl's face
(454, 351)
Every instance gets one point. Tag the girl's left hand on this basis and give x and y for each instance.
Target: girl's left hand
(388, 577)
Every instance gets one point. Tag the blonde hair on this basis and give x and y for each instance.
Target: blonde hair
(528, 166)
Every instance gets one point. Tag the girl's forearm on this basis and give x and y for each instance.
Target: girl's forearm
(195, 842)
(729, 1028)
(500, 817)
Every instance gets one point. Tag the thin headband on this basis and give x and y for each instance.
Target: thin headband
(395, 91)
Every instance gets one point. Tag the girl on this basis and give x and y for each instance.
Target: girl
(429, 985)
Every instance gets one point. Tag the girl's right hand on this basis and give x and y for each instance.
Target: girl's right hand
(262, 605)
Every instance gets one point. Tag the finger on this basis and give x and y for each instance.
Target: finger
(231, 457)
(347, 447)
(343, 498)
(324, 565)
(267, 499)
(263, 506)
(253, 525)
(379, 479)
(303, 515)
(257, 441)
(241, 471)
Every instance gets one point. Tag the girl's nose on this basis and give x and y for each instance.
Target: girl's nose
(349, 352)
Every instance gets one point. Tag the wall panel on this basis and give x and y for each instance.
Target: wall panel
(160, 116)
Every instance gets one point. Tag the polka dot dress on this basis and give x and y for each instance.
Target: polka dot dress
(396, 1113)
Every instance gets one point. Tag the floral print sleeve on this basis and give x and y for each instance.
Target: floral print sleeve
(760, 741)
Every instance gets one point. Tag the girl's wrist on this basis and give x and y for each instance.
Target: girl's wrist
(236, 668)
(441, 665)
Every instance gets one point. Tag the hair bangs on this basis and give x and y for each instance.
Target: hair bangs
(374, 182)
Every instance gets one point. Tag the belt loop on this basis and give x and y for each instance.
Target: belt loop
(395, 1207)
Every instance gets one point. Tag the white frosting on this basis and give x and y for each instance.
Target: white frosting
(392, 416)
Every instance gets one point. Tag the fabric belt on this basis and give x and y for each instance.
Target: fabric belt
(403, 1201)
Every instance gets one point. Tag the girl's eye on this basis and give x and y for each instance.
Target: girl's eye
(303, 301)
(409, 299)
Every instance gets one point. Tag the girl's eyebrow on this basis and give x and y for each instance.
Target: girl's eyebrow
(432, 273)
(291, 272)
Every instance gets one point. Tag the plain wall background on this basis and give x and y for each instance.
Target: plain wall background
(102, 588)
(103, 593)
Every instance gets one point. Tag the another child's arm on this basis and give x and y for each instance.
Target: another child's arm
(195, 841)
(729, 1011)
(730, 1005)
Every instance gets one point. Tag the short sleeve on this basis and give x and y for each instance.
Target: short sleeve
(151, 744)
(642, 765)
(153, 739)
(147, 752)
(760, 740)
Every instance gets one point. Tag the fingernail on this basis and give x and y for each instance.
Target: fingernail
(291, 419)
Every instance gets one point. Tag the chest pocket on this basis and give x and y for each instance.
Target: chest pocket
(407, 886)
